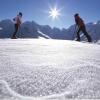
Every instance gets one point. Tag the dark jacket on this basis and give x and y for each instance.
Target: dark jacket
(79, 22)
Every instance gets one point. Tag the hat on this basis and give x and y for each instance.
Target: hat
(76, 15)
(20, 14)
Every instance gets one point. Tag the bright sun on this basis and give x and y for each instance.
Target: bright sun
(54, 13)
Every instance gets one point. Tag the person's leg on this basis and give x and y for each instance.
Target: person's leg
(16, 30)
(86, 34)
(78, 35)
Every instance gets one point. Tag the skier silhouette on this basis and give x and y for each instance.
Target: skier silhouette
(81, 27)
(17, 21)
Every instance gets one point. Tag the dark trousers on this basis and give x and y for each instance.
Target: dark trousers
(83, 29)
(16, 30)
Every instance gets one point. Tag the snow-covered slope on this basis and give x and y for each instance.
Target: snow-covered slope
(48, 70)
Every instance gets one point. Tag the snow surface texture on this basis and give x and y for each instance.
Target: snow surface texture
(49, 70)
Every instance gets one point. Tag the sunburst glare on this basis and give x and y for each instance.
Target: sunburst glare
(54, 13)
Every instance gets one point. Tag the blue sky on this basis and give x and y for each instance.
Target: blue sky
(37, 10)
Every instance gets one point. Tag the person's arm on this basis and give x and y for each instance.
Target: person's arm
(15, 20)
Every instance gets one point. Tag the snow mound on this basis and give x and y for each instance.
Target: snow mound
(49, 70)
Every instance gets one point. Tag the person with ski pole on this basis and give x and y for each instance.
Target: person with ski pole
(18, 21)
(81, 27)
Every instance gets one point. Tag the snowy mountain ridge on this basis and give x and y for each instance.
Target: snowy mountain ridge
(30, 30)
